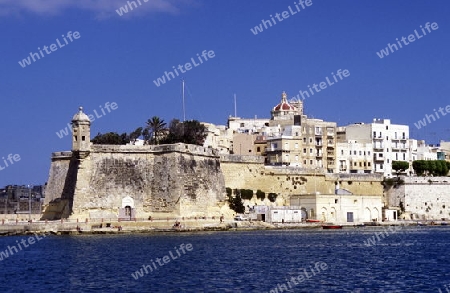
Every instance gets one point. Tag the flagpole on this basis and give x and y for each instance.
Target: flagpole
(235, 109)
(184, 110)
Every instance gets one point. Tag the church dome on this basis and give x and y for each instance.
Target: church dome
(284, 105)
(80, 116)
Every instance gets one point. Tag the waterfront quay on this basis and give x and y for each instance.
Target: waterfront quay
(9, 227)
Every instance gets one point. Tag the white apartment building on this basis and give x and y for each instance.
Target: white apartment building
(251, 126)
(218, 137)
(390, 142)
(354, 157)
(426, 152)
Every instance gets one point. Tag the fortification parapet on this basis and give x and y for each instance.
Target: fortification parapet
(241, 159)
(164, 148)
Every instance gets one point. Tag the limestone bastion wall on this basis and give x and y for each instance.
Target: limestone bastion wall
(170, 180)
(422, 197)
(249, 172)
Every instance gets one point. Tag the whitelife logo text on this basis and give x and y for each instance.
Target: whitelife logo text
(109, 108)
(37, 56)
(184, 68)
(411, 38)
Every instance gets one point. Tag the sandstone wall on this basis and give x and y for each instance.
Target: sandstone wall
(174, 180)
(249, 172)
(423, 197)
(60, 186)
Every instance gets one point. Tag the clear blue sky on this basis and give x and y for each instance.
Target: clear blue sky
(117, 58)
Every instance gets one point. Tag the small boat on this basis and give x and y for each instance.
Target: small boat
(312, 221)
(332, 226)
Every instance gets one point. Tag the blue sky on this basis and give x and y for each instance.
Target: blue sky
(116, 58)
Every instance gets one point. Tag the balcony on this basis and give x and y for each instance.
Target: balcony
(319, 154)
(378, 138)
(378, 147)
(378, 159)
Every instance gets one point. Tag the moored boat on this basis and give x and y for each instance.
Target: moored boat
(331, 226)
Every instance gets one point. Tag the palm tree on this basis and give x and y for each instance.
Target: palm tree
(155, 125)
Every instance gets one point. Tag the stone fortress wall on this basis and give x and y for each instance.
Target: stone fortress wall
(169, 180)
(422, 197)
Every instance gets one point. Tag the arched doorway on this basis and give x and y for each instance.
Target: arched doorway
(375, 214)
(367, 215)
(127, 211)
(304, 214)
(323, 214)
(333, 216)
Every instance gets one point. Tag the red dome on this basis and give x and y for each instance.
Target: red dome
(284, 105)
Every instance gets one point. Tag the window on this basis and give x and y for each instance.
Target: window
(387, 127)
(374, 134)
(304, 162)
(83, 138)
(368, 164)
(355, 164)
(365, 164)
(258, 149)
(404, 156)
(304, 140)
(310, 140)
(342, 152)
(310, 151)
(360, 153)
(310, 162)
(304, 151)
(368, 153)
(360, 164)
(335, 200)
(296, 134)
(242, 125)
(354, 152)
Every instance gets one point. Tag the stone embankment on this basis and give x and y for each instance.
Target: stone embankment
(10, 228)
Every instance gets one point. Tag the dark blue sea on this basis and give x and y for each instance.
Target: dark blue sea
(409, 260)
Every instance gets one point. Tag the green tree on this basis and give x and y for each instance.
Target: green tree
(247, 194)
(400, 166)
(111, 138)
(272, 197)
(420, 167)
(135, 134)
(155, 125)
(235, 202)
(189, 132)
(261, 195)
